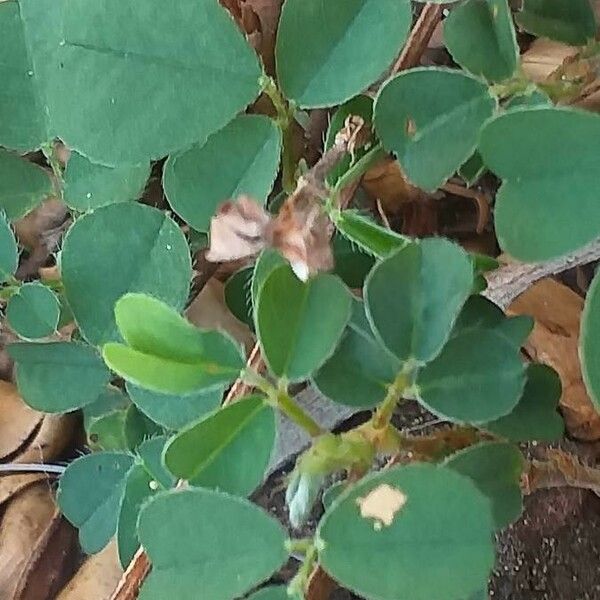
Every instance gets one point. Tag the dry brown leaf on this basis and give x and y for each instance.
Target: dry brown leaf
(52, 438)
(544, 57)
(97, 577)
(13, 483)
(17, 420)
(386, 182)
(554, 341)
(26, 519)
(209, 311)
(31, 229)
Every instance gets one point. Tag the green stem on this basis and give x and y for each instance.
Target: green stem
(279, 398)
(381, 419)
(58, 181)
(285, 118)
(298, 584)
(360, 167)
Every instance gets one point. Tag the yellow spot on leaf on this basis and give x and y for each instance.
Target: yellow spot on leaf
(381, 504)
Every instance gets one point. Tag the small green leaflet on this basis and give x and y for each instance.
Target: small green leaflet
(232, 546)
(33, 311)
(89, 186)
(23, 185)
(299, 324)
(166, 353)
(328, 52)
(90, 494)
(58, 376)
(480, 36)
(197, 180)
(431, 523)
(589, 343)
(568, 21)
(213, 453)
(430, 119)
(537, 184)
(136, 248)
(414, 296)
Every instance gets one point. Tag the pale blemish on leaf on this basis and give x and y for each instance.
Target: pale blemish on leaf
(381, 504)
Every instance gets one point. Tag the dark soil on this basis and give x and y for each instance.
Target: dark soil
(551, 553)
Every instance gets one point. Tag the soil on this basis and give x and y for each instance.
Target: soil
(551, 553)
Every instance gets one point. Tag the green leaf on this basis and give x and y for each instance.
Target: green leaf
(352, 264)
(278, 592)
(58, 376)
(30, 32)
(589, 342)
(480, 36)
(138, 489)
(481, 313)
(104, 420)
(268, 260)
(299, 324)
(568, 21)
(90, 494)
(360, 370)
(328, 52)
(33, 311)
(413, 297)
(9, 252)
(206, 540)
(535, 418)
(23, 185)
(495, 468)
(139, 428)
(151, 452)
(240, 159)
(168, 354)
(237, 292)
(135, 249)
(479, 376)
(89, 186)
(367, 235)
(472, 170)
(171, 410)
(538, 184)
(179, 72)
(531, 98)
(215, 452)
(430, 119)
(431, 523)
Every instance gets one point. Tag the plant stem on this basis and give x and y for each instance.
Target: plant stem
(382, 417)
(285, 118)
(360, 167)
(57, 181)
(279, 398)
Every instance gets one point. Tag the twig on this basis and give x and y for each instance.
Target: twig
(419, 38)
(507, 283)
(32, 468)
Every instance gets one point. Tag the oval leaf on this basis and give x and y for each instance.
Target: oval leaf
(568, 21)
(328, 52)
(9, 253)
(135, 249)
(58, 376)
(189, 58)
(174, 411)
(23, 185)
(209, 541)
(88, 186)
(430, 119)
(197, 180)
(537, 183)
(495, 468)
(166, 352)
(214, 453)
(480, 36)
(360, 370)
(433, 524)
(271, 593)
(478, 376)
(299, 324)
(33, 311)
(413, 297)
(90, 494)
